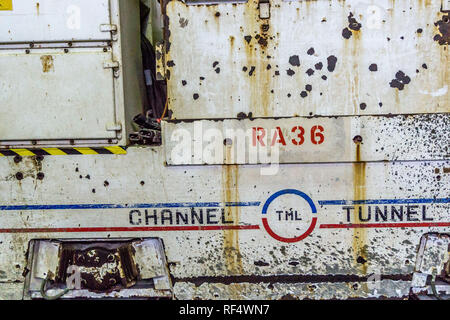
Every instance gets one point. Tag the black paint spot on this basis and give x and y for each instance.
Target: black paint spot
(380, 104)
(277, 73)
(215, 64)
(373, 67)
(303, 94)
(184, 82)
(252, 70)
(261, 264)
(443, 26)
(290, 72)
(425, 66)
(363, 106)
(170, 63)
(332, 60)
(196, 96)
(346, 33)
(217, 70)
(310, 72)
(318, 66)
(217, 14)
(202, 78)
(289, 95)
(248, 38)
(352, 23)
(308, 87)
(244, 69)
(269, 67)
(310, 51)
(294, 61)
(324, 77)
(419, 30)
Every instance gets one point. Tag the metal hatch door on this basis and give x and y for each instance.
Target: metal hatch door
(53, 95)
(56, 73)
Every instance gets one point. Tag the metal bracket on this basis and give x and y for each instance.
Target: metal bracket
(264, 9)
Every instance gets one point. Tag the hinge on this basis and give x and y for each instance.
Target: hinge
(108, 28)
(264, 9)
(113, 127)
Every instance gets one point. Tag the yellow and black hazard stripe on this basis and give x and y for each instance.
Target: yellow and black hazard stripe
(61, 151)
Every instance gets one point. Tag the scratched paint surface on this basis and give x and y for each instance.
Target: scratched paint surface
(84, 198)
(310, 58)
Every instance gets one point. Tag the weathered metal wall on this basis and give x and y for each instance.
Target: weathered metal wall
(354, 210)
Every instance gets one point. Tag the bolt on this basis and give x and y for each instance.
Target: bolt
(19, 176)
(66, 50)
(17, 159)
(39, 158)
(357, 139)
(40, 176)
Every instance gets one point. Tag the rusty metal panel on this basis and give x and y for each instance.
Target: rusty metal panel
(302, 140)
(309, 58)
(229, 227)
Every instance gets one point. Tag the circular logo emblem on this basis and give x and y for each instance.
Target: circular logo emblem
(289, 215)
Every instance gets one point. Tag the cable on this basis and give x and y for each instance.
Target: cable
(47, 297)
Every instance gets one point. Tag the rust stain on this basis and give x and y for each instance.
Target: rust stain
(257, 52)
(37, 8)
(231, 251)
(47, 63)
(359, 193)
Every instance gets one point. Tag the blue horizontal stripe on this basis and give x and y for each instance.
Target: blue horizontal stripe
(382, 201)
(128, 206)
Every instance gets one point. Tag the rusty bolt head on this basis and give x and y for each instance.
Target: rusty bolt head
(70, 44)
(19, 176)
(39, 158)
(27, 51)
(357, 139)
(66, 50)
(40, 176)
(17, 159)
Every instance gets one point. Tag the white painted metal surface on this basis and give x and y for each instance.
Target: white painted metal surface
(313, 230)
(54, 20)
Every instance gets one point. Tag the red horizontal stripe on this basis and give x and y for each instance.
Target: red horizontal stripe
(127, 229)
(386, 225)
